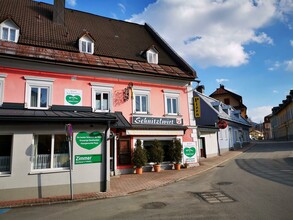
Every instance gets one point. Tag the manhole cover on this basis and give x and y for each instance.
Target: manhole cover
(215, 197)
(224, 183)
(154, 205)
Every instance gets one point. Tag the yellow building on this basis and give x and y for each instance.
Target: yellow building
(282, 119)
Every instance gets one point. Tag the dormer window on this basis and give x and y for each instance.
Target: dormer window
(9, 31)
(152, 55)
(86, 44)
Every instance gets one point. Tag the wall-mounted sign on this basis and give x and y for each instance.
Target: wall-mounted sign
(196, 104)
(73, 97)
(189, 152)
(89, 140)
(156, 121)
(88, 158)
(222, 124)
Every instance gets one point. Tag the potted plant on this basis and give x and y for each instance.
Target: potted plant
(139, 157)
(157, 155)
(176, 153)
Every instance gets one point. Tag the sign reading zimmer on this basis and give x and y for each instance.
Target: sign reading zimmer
(88, 158)
(189, 152)
(89, 140)
(73, 97)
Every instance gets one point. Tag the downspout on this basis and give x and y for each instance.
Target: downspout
(105, 153)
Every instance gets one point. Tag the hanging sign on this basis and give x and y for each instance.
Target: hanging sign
(89, 140)
(196, 104)
(189, 152)
(73, 97)
(222, 124)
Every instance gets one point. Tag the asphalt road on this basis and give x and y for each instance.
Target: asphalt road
(256, 185)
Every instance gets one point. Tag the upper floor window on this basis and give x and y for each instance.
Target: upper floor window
(101, 97)
(171, 102)
(141, 102)
(9, 31)
(152, 55)
(50, 151)
(2, 77)
(38, 92)
(86, 44)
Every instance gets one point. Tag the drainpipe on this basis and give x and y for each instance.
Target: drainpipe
(105, 153)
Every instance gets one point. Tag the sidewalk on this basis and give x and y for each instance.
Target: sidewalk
(131, 183)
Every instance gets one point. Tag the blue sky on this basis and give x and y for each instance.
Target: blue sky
(246, 45)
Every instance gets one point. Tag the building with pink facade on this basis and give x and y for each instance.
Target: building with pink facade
(76, 92)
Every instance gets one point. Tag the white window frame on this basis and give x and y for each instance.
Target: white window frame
(141, 92)
(170, 94)
(102, 88)
(38, 83)
(152, 56)
(2, 79)
(89, 45)
(34, 153)
(10, 25)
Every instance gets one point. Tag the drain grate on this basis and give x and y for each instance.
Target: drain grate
(154, 205)
(224, 183)
(215, 197)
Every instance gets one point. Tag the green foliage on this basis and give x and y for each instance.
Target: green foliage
(156, 152)
(176, 151)
(139, 155)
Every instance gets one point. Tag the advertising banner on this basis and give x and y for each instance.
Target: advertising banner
(189, 152)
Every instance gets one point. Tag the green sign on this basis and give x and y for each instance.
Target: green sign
(89, 158)
(189, 151)
(73, 99)
(89, 140)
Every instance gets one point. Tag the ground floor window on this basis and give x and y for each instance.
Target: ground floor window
(5, 153)
(50, 151)
(166, 144)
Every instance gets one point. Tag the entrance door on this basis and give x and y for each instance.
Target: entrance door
(124, 152)
(202, 145)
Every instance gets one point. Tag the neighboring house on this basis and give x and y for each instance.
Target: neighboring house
(230, 98)
(104, 82)
(212, 114)
(267, 127)
(282, 119)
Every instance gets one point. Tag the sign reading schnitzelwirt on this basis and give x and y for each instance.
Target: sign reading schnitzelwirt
(156, 121)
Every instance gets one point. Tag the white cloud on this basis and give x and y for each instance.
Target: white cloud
(291, 43)
(275, 91)
(71, 2)
(257, 114)
(213, 32)
(275, 66)
(222, 80)
(288, 65)
(122, 8)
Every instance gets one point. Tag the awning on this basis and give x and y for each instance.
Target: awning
(116, 119)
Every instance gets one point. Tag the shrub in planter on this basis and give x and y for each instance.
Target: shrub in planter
(176, 153)
(139, 157)
(157, 154)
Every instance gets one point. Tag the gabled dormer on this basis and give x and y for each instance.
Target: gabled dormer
(152, 55)
(9, 31)
(86, 44)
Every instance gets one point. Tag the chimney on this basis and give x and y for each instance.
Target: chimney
(222, 86)
(59, 11)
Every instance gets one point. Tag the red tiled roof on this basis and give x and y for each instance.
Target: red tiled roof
(93, 61)
(118, 44)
